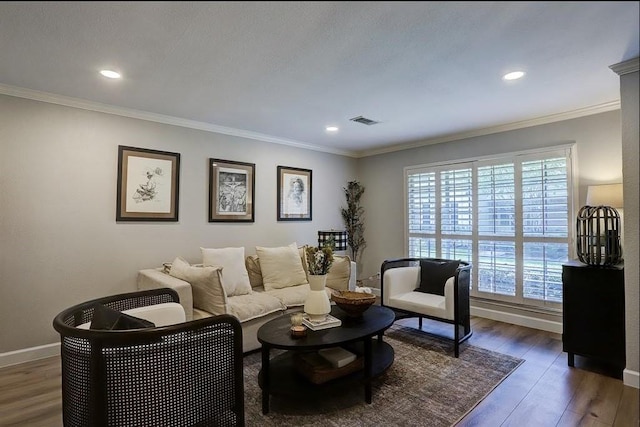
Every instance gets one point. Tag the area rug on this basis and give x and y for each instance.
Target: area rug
(425, 386)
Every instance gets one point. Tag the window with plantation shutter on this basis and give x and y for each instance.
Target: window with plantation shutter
(456, 197)
(422, 212)
(509, 216)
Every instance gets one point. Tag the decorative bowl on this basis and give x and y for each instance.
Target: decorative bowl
(353, 303)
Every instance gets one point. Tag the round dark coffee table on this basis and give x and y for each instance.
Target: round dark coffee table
(278, 375)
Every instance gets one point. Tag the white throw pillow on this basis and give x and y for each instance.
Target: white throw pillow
(235, 278)
(281, 267)
(208, 293)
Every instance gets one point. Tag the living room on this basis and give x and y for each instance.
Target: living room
(62, 245)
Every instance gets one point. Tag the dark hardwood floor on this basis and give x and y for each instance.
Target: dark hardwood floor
(542, 392)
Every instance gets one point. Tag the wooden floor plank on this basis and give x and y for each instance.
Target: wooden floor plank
(488, 333)
(628, 410)
(599, 397)
(523, 340)
(548, 399)
(573, 419)
(496, 408)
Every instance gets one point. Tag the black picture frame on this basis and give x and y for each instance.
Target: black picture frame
(294, 194)
(231, 191)
(148, 186)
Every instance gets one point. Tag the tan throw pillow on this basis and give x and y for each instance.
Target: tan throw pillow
(281, 267)
(208, 294)
(253, 268)
(235, 278)
(339, 273)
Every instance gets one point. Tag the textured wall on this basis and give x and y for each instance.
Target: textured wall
(60, 243)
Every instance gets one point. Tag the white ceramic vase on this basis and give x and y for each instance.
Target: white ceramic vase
(317, 304)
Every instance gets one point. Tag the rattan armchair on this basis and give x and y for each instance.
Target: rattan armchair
(447, 302)
(185, 374)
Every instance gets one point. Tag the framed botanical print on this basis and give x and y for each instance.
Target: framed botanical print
(148, 185)
(294, 194)
(231, 191)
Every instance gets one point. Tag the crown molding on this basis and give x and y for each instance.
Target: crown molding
(159, 118)
(207, 127)
(602, 108)
(626, 67)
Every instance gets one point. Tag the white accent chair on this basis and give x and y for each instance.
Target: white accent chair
(446, 301)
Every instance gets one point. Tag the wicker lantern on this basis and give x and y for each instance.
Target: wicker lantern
(598, 235)
(598, 226)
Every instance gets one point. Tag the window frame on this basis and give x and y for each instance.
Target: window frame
(517, 158)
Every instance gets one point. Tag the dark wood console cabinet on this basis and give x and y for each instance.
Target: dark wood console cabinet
(593, 313)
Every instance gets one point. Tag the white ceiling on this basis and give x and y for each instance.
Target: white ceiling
(282, 71)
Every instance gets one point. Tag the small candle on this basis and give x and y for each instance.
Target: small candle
(298, 331)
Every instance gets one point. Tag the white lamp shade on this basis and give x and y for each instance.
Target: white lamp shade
(605, 195)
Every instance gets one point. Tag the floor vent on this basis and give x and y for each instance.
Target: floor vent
(364, 120)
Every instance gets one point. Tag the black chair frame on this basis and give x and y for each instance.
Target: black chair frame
(108, 375)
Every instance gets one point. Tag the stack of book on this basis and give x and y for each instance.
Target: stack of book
(328, 322)
(337, 356)
(327, 364)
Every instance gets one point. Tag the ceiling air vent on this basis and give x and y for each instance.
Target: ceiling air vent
(364, 120)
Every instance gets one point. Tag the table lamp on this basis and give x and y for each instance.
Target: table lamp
(336, 238)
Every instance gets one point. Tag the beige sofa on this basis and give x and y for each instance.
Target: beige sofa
(265, 290)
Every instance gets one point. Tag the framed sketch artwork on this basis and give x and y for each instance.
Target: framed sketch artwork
(231, 191)
(294, 194)
(148, 185)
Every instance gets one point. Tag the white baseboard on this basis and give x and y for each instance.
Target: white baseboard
(631, 378)
(518, 319)
(29, 354)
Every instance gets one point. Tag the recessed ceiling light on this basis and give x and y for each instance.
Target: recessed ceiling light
(515, 75)
(110, 74)
(332, 129)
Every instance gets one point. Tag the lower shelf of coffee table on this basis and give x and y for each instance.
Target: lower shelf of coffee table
(286, 381)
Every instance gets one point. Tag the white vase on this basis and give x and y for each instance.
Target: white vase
(317, 304)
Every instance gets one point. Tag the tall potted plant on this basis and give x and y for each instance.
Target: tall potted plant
(353, 216)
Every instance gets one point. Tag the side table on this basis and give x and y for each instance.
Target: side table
(593, 313)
